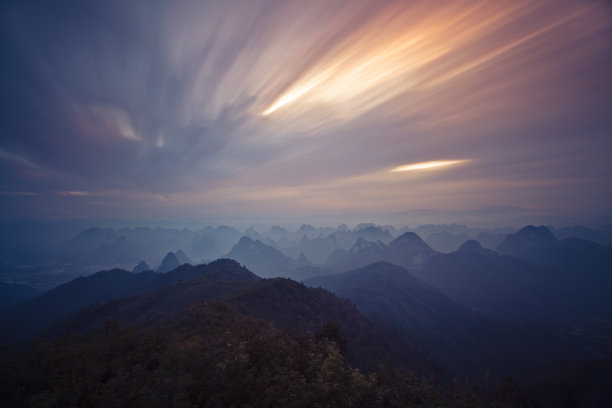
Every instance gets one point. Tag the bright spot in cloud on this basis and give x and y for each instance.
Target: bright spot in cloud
(287, 98)
(427, 165)
(76, 193)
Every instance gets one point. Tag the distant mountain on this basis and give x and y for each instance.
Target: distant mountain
(224, 237)
(141, 267)
(407, 250)
(527, 238)
(262, 259)
(469, 343)
(517, 288)
(601, 235)
(316, 249)
(15, 293)
(118, 252)
(373, 233)
(92, 238)
(472, 245)
(203, 247)
(276, 232)
(26, 319)
(169, 263)
(538, 245)
(308, 230)
(362, 253)
(182, 258)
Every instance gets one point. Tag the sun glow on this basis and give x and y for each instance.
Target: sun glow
(427, 165)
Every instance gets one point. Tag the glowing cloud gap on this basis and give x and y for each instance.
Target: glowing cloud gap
(427, 165)
(287, 98)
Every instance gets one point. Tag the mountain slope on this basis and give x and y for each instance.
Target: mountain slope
(469, 343)
(210, 355)
(285, 303)
(25, 320)
(514, 288)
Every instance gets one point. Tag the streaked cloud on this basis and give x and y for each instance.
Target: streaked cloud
(429, 165)
(259, 105)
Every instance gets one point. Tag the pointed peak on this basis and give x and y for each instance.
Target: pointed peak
(169, 263)
(141, 267)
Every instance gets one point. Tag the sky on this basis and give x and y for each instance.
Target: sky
(264, 108)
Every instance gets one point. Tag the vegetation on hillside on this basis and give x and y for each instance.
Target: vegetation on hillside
(212, 356)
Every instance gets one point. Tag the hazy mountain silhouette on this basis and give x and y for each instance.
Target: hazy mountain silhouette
(472, 245)
(262, 259)
(373, 233)
(315, 249)
(515, 288)
(141, 267)
(182, 258)
(601, 235)
(572, 255)
(527, 238)
(407, 250)
(169, 263)
(466, 341)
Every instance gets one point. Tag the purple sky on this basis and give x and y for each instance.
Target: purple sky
(293, 108)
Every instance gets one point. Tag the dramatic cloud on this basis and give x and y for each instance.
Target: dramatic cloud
(266, 107)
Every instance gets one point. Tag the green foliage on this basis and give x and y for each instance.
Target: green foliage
(208, 356)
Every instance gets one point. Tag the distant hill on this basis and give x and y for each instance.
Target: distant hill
(601, 235)
(263, 259)
(141, 267)
(538, 245)
(407, 250)
(527, 238)
(512, 287)
(25, 320)
(169, 263)
(472, 245)
(467, 342)
(182, 258)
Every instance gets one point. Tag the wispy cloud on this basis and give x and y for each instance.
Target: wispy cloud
(259, 104)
